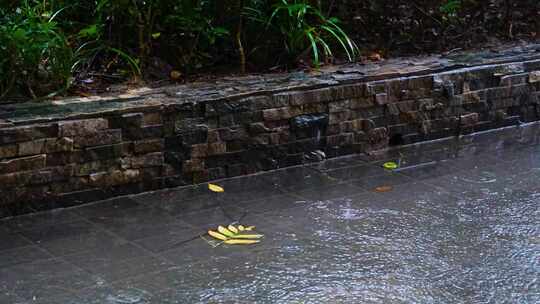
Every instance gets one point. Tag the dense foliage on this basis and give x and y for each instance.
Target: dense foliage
(46, 46)
(405, 26)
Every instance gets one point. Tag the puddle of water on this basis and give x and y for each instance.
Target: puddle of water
(433, 251)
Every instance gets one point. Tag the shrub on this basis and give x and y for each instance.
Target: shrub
(35, 55)
(303, 27)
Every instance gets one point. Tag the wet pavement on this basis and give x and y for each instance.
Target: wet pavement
(457, 222)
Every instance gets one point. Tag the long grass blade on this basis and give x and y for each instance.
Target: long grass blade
(329, 30)
(314, 48)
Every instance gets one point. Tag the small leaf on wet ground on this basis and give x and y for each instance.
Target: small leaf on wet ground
(234, 235)
(383, 189)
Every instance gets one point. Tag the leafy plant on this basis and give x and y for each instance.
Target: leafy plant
(304, 27)
(35, 55)
(450, 7)
(191, 25)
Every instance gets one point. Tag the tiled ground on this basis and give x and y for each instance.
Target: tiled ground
(460, 224)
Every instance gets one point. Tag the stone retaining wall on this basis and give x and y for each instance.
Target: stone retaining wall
(66, 162)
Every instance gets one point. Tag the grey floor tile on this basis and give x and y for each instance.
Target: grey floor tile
(298, 178)
(120, 270)
(389, 179)
(134, 223)
(169, 237)
(196, 251)
(22, 255)
(329, 192)
(361, 172)
(9, 240)
(60, 231)
(340, 162)
(35, 271)
(151, 286)
(95, 239)
(208, 218)
(40, 220)
(104, 207)
(457, 223)
(106, 255)
(271, 203)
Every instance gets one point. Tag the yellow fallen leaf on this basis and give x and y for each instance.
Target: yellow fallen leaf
(390, 165)
(240, 242)
(225, 231)
(215, 188)
(232, 229)
(383, 189)
(248, 236)
(217, 235)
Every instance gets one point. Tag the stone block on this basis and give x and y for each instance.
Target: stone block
(520, 90)
(99, 138)
(114, 178)
(130, 124)
(258, 128)
(197, 134)
(152, 118)
(226, 120)
(338, 117)
(381, 99)
(248, 117)
(148, 146)
(473, 97)
(81, 127)
(311, 109)
(420, 82)
(15, 179)
(392, 109)
(375, 88)
(45, 145)
(370, 112)
(367, 124)
(498, 93)
(32, 147)
(350, 91)
(361, 102)
(339, 106)
(63, 144)
(217, 148)
(103, 152)
(333, 129)
(199, 150)
(278, 114)
(27, 133)
(360, 137)
(23, 164)
(50, 175)
(193, 165)
(88, 168)
(511, 80)
(153, 131)
(303, 97)
(378, 135)
(213, 136)
(352, 125)
(62, 158)
(7, 151)
(534, 77)
(148, 160)
(469, 119)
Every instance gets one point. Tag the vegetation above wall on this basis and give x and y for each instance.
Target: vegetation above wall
(49, 47)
